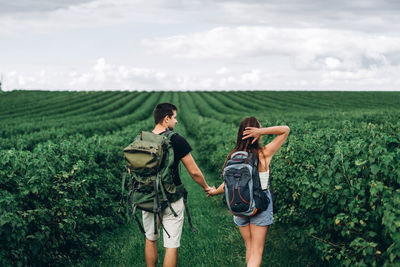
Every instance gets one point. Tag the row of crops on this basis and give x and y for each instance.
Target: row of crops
(336, 179)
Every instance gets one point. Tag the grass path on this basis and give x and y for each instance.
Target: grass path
(217, 243)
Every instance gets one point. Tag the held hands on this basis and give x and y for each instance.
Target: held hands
(252, 132)
(209, 190)
(219, 190)
(212, 192)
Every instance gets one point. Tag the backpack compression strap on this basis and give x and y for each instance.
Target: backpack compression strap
(157, 207)
(137, 220)
(130, 207)
(156, 211)
(185, 197)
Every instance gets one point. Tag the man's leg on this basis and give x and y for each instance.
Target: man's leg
(171, 257)
(174, 226)
(150, 247)
(150, 253)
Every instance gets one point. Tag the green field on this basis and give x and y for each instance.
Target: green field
(336, 179)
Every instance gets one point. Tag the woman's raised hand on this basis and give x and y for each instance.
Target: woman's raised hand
(252, 132)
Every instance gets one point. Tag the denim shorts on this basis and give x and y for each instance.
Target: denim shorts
(263, 218)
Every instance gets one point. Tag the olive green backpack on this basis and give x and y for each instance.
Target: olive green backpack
(150, 158)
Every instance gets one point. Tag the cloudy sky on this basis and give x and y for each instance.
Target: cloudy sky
(200, 44)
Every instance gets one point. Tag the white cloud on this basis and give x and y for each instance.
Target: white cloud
(308, 48)
(364, 15)
(23, 6)
(222, 70)
(200, 44)
(47, 16)
(88, 14)
(252, 78)
(332, 63)
(114, 77)
(108, 76)
(102, 76)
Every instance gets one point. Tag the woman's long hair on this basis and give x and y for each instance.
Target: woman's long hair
(245, 145)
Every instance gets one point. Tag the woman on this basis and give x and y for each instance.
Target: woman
(254, 228)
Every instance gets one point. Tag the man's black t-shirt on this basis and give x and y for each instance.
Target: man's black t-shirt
(181, 148)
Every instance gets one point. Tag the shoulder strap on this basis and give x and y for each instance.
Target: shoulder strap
(253, 159)
(169, 133)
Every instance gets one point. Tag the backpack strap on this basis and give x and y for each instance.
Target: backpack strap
(169, 133)
(133, 208)
(254, 162)
(129, 198)
(165, 197)
(271, 188)
(157, 206)
(185, 197)
(137, 220)
(180, 188)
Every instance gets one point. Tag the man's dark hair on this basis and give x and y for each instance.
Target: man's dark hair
(162, 110)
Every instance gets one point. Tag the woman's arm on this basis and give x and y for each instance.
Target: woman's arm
(270, 149)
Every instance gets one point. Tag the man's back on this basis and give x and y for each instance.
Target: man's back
(164, 119)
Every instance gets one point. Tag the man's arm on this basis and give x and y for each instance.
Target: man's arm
(195, 172)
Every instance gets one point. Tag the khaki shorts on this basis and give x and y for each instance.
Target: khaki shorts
(172, 224)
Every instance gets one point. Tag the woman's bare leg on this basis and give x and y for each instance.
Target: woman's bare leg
(245, 231)
(258, 237)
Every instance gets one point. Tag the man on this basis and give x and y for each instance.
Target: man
(165, 118)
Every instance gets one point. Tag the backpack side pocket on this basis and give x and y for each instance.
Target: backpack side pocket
(261, 199)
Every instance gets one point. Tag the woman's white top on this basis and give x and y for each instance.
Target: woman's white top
(264, 179)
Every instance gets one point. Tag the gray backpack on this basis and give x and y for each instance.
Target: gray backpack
(243, 193)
